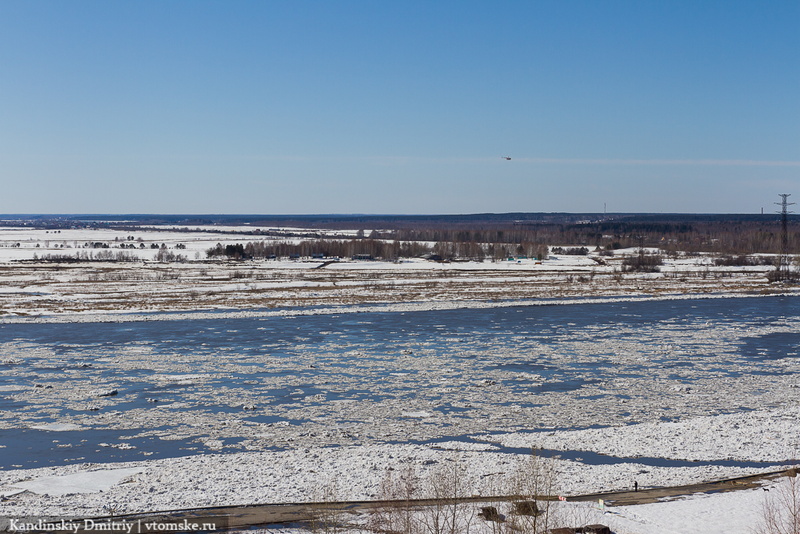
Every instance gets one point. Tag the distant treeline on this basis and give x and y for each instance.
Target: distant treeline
(320, 247)
(739, 239)
(356, 221)
(107, 255)
(376, 248)
(743, 237)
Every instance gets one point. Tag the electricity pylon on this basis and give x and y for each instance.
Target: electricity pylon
(783, 259)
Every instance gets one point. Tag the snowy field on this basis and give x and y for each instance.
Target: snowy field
(31, 288)
(727, 417)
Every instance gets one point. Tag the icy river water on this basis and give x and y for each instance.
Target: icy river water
(111, 391)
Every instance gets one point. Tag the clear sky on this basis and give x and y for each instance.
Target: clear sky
(398, 106)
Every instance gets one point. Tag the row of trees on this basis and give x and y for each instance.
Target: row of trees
(376, 248)
(321, 247)
(163, 254)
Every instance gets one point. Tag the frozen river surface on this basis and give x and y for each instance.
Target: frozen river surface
(112, 391)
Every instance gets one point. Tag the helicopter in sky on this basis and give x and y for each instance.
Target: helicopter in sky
(507, 158)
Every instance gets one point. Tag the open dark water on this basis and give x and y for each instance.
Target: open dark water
(34, 352)
(385, 330)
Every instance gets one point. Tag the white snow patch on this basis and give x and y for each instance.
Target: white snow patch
(421, 414)
(57, 427)
(82, 482)
(735, 512)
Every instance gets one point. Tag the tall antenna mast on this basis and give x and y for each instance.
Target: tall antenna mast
(783, 259)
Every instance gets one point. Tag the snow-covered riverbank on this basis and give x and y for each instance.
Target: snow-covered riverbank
(356, 472)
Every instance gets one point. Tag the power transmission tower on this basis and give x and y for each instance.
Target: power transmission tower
(783, 259)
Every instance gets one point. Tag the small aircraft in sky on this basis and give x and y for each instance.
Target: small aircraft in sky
(507, 158)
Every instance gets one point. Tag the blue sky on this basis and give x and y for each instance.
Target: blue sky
(398, 107)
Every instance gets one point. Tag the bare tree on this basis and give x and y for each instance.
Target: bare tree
(446, 515)
(398, 488)
(534, 482)
(781, 509)
(326, 516)
(424, 506)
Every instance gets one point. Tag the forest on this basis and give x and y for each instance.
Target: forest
(486, 239)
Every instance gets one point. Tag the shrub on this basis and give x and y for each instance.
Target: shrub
(742, 260)
(642, 263)
(570, 251)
